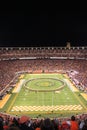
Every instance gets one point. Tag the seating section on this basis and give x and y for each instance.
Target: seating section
(73, 68)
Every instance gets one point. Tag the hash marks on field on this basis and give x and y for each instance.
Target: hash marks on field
(47, 108)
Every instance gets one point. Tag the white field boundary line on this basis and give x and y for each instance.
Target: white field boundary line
(84, 95)
(71, 86)
(18, 86)
(4, 100)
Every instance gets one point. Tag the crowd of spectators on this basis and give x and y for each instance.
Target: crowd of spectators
(8, 122)
(9, 68)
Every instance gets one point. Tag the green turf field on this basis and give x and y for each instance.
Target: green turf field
(45, 94)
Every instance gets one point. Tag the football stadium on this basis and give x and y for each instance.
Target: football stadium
(43, 81)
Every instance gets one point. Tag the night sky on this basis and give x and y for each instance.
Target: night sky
(44, 26)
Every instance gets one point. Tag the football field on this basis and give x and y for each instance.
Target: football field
(45, 94)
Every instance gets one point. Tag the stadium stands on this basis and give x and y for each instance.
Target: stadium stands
(14, 61)
(32, 60)
(63, 123)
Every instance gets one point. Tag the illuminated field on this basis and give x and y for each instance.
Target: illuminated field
(45, 94)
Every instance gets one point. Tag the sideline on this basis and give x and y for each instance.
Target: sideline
(4, 100)
(18, 86)
(12, 103)
(74, 89)
(71, 86)
(84, 95)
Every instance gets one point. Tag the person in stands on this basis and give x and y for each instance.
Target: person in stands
(1, 123)
(85, 125)
(47, 125)
(73, 123)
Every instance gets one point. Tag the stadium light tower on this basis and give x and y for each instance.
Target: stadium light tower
(68, 45)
